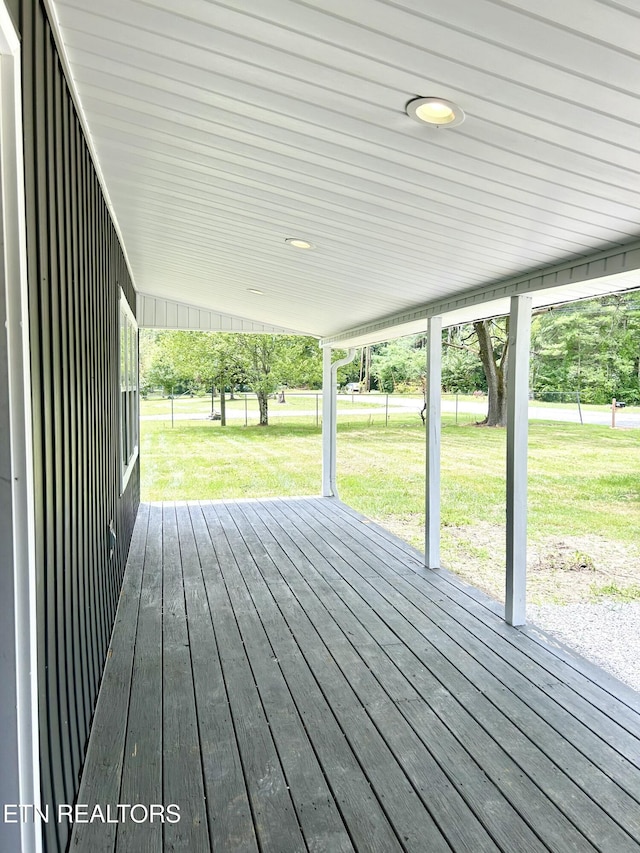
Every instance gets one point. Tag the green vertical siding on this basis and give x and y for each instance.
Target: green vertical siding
(75, 270)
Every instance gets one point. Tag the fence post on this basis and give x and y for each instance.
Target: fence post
(613, 413)
(246, 417)
(386, 411)
(456, 408)
(579, 407)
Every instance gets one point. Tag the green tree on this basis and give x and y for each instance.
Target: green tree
(270, 361)
(158, 365)
(493, 347)
(461, 366)
(592, 346)
(194, 361)
(299, 361)
(480, 348)
(398, 363)
(257, 355)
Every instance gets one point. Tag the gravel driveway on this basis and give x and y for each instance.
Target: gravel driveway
(608, 634)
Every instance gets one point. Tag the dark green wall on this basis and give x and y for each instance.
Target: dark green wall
(75, 269)
(14, 10)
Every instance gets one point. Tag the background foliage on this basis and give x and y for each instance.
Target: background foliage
(592, 346)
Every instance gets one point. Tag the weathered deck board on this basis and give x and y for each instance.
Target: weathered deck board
(579, 675)
(495, 665)
(400, 798)
(295, 680)
(100, 784)
(230, 822)
(142, 769)
(182, 776)
(421, 768)
(526, 666)
(317, 814)
(492, 706)
(456, 704)
(273, 811)
(351, 789)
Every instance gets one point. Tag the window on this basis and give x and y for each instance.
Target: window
(128, 390)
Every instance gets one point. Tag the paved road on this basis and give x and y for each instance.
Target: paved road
(624, 417)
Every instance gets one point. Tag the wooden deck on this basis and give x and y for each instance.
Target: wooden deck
(292, 677)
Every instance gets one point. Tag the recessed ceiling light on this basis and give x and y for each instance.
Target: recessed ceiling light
(253, 290)
(435, 111)
(298, 243)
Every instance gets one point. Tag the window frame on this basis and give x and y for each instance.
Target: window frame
(128, 391)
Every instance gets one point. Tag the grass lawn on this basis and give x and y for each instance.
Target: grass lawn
(584, 490)
(207, 461)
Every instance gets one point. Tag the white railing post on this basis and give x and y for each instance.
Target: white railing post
(517, 435)
(432, 490)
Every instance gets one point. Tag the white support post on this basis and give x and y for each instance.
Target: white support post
(517, 434)
(330, 420)
(19, 747)
(432, 491)
(328, 437)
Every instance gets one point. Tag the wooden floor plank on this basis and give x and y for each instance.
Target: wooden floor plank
(182, 768)
(490, 725)
(561, 733)
(586, 679)
(456, 819)
(274, 814)
(369, 826)
(485, 652)
(230, 819)
(295, 680)
(615, 699)
(101, 776)
(584, 697)
(142, 769)
(318, 815)
(431, 701)
(412, 821)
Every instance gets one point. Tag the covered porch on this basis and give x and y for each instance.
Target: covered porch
(293, 678)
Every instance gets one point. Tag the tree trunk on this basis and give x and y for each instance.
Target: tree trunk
(223, 407)
(263, 405)
(495, 371)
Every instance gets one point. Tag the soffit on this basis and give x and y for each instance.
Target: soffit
(222, 128)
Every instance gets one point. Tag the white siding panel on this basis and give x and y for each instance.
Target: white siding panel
(158, 313)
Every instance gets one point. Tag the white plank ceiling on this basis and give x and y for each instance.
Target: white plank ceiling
(223, 128)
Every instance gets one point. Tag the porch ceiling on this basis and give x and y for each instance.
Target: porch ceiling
(223, 128)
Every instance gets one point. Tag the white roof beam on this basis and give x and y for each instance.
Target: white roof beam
(562, 282)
